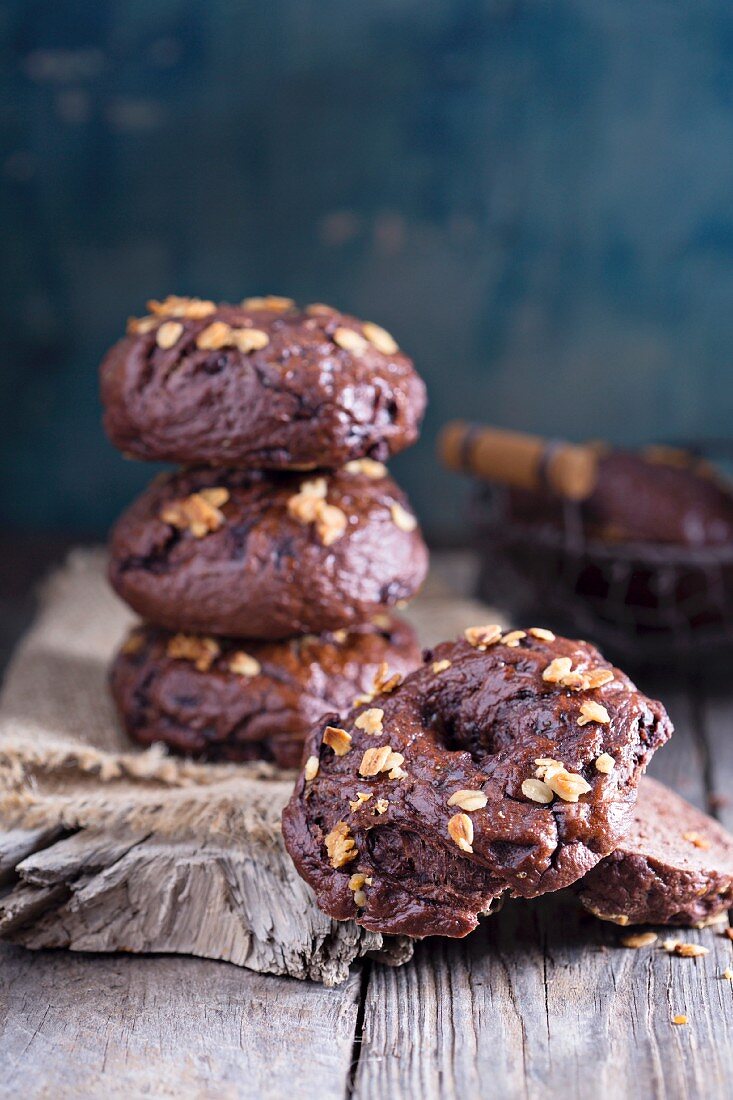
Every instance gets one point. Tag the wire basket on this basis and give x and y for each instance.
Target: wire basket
(646, 603)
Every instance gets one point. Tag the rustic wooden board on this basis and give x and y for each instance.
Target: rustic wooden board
(122, 1027)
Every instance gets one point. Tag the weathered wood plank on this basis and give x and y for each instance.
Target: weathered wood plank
(120, 1027)
(543, 997)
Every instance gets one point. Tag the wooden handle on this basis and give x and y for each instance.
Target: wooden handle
(518, 460)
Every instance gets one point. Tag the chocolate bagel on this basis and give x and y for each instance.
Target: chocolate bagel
(267, 555)
(261, 385)
(503, 765)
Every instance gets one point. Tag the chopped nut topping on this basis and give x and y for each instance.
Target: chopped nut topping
(370, 720)
(513, 638)
(369, 467)
(379, 336)
(639, 939)
(560, 671)
(593, 712)
(269, 301)
(685, 950)
(402, 518)
(337, 739)
(139, 325)
(331, 523)
(384, 684)
(382, 759)
(349, 340)
(483, 636)
(542, 634)
(303, 506)
(605, 763)
(168, 334)
(340, 845)
(460, 830)
(468, 800)
(679, 1019)
(340, 636)
(357, 883)
(193, 309)
(536, 790)
(215, 336)
(567, 785)
(382, 621)
(249, 339)
(360, 700)
(309, 506)
(198, 513)
(312, 765)
(374, 760)
(597, 677)
(361, 796)
(318, 307)
(441, 666)
(381, 805)
(244, 664)
(697, 839)
(133, 643)
(190, 647)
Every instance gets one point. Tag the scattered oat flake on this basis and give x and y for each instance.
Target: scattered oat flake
(468, 800)
(460, 830)
(337, 739)
(244, 664)
(536, 790)
(679, 1019)
(593, 712)
(542, 634)
(567, 785)
(605, 763)
(381, 339)
(441, 666)
(370, 720)
(639, 939)
(350, 340)
(249, 339)
(402, 518)
(215, 336)
(361, 797)
(369, 467)
(312, 765)
(483, 636)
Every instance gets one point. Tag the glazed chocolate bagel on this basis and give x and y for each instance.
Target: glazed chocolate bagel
(674, 866)
(216, 699)
(257, 555)
(499, 766)
(261, 385)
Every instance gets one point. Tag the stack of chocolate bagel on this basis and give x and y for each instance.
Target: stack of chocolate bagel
(266, 568)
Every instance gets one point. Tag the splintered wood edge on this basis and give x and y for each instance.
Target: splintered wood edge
(96, 891)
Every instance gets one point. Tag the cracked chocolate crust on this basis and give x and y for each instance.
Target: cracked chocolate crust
(425, 847)
(306, 395)
(674, 866)
(249, 703)
(266, 563)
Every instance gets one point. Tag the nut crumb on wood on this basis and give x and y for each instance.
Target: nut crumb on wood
(639, 939)
(679, 1019)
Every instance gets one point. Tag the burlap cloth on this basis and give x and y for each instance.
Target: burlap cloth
(66, 764)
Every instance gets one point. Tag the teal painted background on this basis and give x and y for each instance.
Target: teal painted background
(536, 198)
